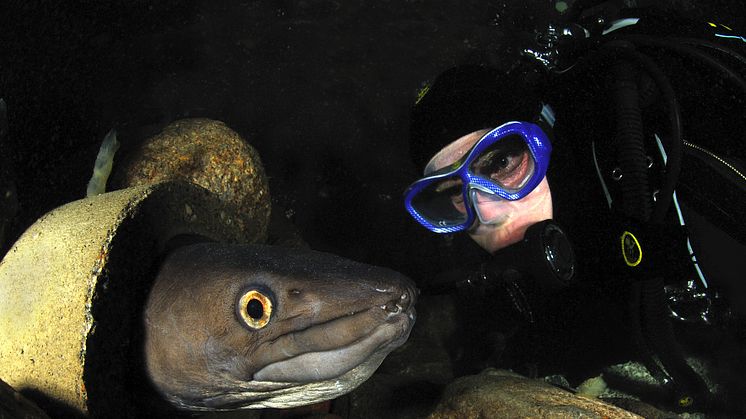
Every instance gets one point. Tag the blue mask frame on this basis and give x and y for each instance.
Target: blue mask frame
(537, 142)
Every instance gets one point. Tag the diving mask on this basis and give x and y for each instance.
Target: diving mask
(506, 163)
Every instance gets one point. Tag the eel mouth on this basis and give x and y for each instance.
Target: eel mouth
(329, 350)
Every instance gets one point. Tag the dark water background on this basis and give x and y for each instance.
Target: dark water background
(321, 88)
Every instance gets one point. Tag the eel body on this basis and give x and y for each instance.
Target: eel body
(248, 326)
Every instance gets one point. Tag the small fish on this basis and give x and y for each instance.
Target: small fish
(104, 163)
(249, 326)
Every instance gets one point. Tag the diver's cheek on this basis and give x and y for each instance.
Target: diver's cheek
(538, 204)
(493, 237)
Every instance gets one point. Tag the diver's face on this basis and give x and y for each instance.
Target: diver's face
(510, 219)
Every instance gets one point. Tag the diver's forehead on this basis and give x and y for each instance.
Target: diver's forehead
(454, 151)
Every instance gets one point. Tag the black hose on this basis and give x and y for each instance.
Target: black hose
(629, 143)
(648, 313)
(712, 45)
(692, 52)
(647, 357)
(676, 144)
(688, 385)
(649, 92)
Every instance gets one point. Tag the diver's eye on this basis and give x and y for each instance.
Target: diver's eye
(254, 309)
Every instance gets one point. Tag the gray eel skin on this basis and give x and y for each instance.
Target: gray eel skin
(249, 326)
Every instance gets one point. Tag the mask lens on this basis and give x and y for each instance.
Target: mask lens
(507, 162)
(442, 202)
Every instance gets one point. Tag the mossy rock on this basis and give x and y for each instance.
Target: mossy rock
(208, 153)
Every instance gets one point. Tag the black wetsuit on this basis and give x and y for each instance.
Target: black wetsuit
(581, 329)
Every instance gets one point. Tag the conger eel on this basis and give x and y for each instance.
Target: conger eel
(248, 326)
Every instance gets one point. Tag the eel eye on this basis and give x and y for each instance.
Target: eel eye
(254, 309)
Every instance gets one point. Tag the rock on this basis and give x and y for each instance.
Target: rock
(209, 154)
(502, 394)
(641, 408)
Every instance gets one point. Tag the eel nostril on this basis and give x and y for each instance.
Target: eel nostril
(392, 307)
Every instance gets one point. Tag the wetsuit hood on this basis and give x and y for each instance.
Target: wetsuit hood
(465, 99)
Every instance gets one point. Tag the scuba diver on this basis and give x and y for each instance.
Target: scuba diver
(632, 238)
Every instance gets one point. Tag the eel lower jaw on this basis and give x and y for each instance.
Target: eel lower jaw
(318, 366)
